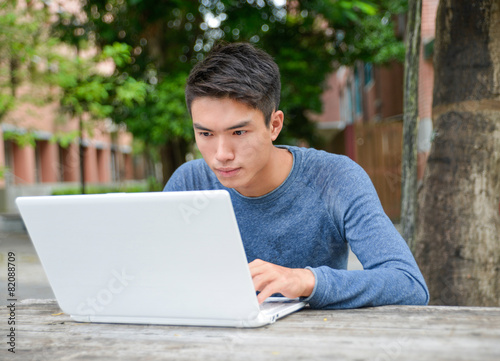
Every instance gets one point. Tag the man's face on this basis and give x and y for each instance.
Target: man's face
(235, 142)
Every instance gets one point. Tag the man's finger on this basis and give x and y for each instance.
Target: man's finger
(264, 294)
(259, 282)
(257, 266)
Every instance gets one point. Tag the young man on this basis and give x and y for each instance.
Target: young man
(298, 209)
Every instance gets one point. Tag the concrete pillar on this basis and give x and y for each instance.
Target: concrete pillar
(129, 166)
(24, 164)
(70, 163)
(104, 165)
(90, 162)
(49, 161)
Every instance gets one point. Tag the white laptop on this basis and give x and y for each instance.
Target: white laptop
(173, 258)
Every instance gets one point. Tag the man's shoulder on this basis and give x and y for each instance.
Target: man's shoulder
(195, 165)
(192, 175)
(315, 160)
(322, 171)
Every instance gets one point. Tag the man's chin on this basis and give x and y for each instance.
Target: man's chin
(229, 180)
(228, 183)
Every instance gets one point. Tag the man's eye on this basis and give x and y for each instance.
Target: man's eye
(240, 132)
(204, 134)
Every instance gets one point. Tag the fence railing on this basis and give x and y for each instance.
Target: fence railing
(379, 152)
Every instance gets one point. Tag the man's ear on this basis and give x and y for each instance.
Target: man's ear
(276, 123)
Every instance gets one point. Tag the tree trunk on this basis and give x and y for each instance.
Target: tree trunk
(81, 155)
(409, 164)
(14, 78)
(173, 155)
(458, 242)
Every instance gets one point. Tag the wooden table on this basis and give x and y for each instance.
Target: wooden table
(383, 333)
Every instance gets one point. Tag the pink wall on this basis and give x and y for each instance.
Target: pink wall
(426, 76)
(331, 100)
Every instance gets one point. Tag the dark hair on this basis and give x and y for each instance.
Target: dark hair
(237, 71)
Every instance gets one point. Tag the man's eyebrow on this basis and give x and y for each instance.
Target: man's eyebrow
(236, 126)
(240, 125)
(200, 127)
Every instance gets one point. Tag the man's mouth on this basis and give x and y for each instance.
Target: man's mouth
(227, 172)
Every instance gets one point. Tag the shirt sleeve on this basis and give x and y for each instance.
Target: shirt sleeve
(390, 275)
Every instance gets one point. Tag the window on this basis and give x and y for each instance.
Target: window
(368, 73)
(357, 93)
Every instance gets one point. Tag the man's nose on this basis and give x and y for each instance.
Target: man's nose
(225, 151)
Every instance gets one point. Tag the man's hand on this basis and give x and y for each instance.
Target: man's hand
(269, 278)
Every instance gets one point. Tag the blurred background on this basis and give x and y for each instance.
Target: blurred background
(92, 93)
(92, 100)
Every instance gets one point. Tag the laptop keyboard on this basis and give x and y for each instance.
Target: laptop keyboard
(275, 304)
(266, 306)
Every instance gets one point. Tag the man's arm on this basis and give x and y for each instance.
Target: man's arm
(324, 287)
(390, 274)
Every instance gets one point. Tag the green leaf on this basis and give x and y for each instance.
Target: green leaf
(119, 52)
(366, 7)
(131, 92)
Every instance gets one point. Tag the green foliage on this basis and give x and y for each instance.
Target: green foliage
(64, 139)
(153, 185)
(86, 91)
(374, 40)
(29, 138)
(165, 38)
(6, 103)
(308, 42)
(163, 116)
(119, 52)
(25, 53)
(150, 186)
(131, 92)
(22, 139)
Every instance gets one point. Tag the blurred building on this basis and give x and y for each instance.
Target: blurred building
(363, 113)
(39, 148)
(53, 161)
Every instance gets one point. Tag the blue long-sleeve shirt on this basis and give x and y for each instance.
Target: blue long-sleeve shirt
(326, 204)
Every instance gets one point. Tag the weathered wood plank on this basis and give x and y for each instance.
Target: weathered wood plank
(383, 333)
